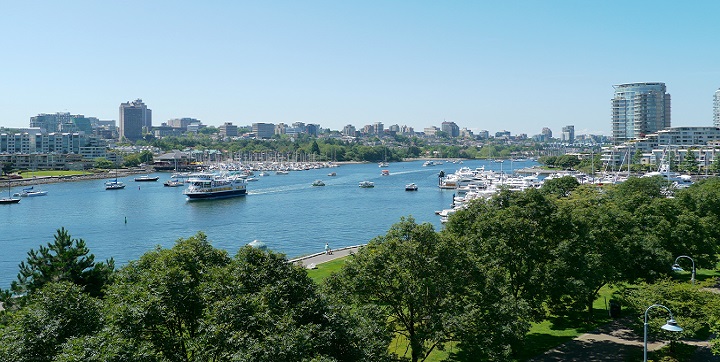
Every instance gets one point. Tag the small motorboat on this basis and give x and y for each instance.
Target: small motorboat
(332, 174)
(173, 183)
(146, 178)
(366, 184)
(411, 187)
(318, 183)
(30, 192)
(385, 172)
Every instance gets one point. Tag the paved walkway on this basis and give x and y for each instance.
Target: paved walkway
(613, 342)
(319, 258)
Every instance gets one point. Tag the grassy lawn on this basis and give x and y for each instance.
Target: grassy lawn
(325, 269)
(542, 336)
(555, 331)
(30, 174)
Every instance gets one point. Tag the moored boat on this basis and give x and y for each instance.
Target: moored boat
(8, 199)
(146, 178)
(30, 192)
(207, 186)
(114, 185)
(173, 183)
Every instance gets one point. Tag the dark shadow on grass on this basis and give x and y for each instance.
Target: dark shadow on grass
(536, 343)
(580, 321)
(590, 351)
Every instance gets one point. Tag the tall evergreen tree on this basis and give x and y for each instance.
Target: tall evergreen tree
(65, 259)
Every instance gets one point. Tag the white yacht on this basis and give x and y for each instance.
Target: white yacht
(206, 186)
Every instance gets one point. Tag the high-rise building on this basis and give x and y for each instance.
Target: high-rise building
(716, 109)
(349, 130)
(450, 128)
(568, 134)
(63, 122)
(547, 133)
(227, 129)
(378, 128)
(263, 130)
(639, 109)
(134, 118)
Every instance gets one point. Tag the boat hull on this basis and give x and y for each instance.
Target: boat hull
(9, 201)
(215, 195)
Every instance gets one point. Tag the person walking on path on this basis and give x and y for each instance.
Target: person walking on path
(328, 251)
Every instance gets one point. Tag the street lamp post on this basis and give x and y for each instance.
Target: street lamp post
(676, 266)
(671, 326)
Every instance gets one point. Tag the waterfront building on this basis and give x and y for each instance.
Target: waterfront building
(678, 139)
(639, 109)
(281, 128)
(263, 130)
(716, 109)
(568, 134)
(135, 117)
(450, 128)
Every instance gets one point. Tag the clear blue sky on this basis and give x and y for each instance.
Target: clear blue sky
(494, 65)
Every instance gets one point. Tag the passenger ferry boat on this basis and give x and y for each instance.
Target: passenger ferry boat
(206, 186)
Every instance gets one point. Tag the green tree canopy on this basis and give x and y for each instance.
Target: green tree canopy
(65, 259)
(426, 289)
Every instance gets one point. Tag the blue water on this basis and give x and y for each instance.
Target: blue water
(283, 211)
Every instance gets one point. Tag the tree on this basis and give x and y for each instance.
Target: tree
(53, 315)
(426, 289)
(515, 232)
(590, 253)
(715, 165)
(66, 259)
(693, 306)
(103, 163)
(561, 186)
(689, 162)
(194, 303)
(314, 148)
(6, 168)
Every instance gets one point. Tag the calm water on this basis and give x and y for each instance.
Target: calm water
(283, 211)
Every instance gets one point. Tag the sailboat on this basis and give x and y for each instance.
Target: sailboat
(8, 199)
(114, 184)
(384, 162)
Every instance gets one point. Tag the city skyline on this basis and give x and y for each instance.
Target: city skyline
(485, 66)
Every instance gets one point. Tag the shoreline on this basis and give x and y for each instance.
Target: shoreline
(111, 174)
(69, 178)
